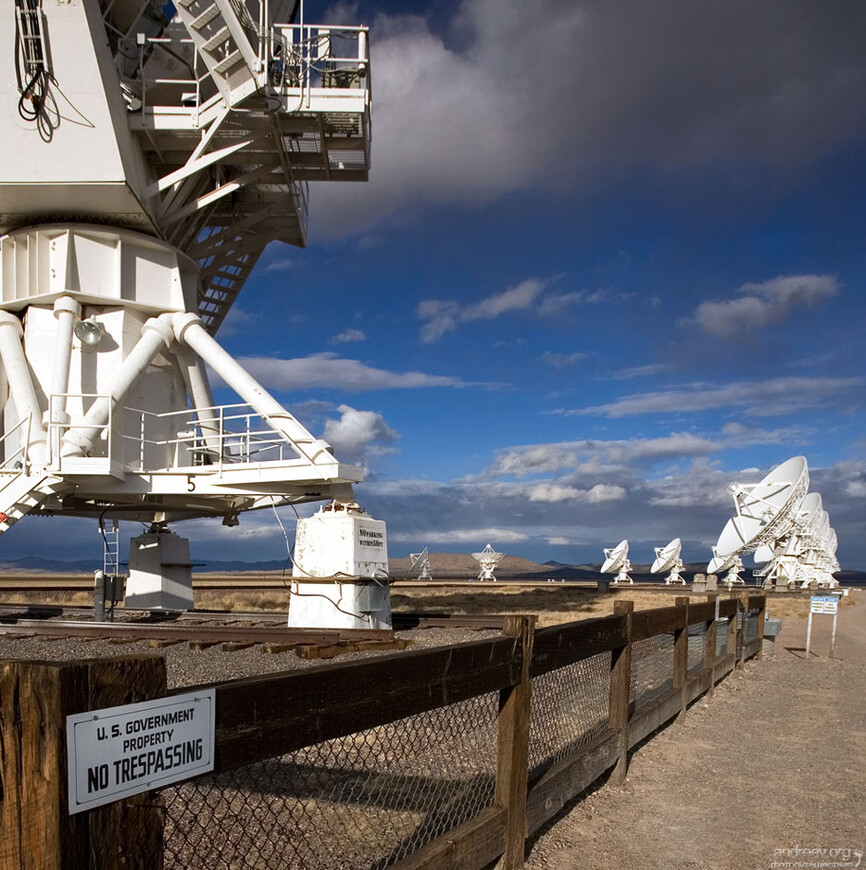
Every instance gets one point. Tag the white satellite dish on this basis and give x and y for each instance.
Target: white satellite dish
(616, 562)
(421, 564)
(668, 559)
(764, 512)
(488, 559)
(784, 561)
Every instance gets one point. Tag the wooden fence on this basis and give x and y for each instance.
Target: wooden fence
(264, 717)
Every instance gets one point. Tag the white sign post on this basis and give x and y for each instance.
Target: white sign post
(117, 752)
(828, 604)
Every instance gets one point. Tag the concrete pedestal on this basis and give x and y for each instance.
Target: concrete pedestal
(160, 573)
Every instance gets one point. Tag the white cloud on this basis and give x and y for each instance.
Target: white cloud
(772, 397)
(602, 492)
(562, 360)
(443, 315)
(358, 434)
(331, 371)
(464, 536)
(759, 305)
(349, 335)
(554, 492)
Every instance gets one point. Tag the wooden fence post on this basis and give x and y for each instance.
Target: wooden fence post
(36, 829)
(732, 633)
(741, 645)
(710, 644)
(681, 656)
(620, 687)
(512, 766)
(762, 615)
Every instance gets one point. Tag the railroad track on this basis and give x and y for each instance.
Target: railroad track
(231, 631)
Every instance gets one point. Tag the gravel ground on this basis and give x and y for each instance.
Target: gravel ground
(773, 763)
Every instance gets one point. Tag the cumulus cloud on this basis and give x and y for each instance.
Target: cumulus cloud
(645, 86)
(443, 315)
(356, 435)
(536, 459)
(331, 371)
(759, 305)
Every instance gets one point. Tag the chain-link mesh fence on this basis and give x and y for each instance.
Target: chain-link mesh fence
(569, 709)
(652, 669)
(722, 628)
(697, 647)
(750, 621)
(362, 801)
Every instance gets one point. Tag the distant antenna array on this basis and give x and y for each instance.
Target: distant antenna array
(785, 527)
(421, 564)
(487, 559)
(616, 562)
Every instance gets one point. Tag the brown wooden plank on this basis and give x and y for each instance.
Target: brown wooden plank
(262, 717)
(276, 648)
(128, 833)
(512, 761)
(471, 846)
(569, 778)
(36, 829)
(646, 719)
(234, 646)
(703, 611)
(698, 684)
(681, 655)
(662, 620)
(620, 686)
(724, 666)
(727, 607)
(560, 645)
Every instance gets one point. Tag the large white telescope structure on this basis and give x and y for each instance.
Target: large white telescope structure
(147, 162)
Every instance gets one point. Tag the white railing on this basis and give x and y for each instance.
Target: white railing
(294, 59)
(18, 461)
(220, 436)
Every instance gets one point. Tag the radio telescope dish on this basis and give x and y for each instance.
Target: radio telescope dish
(616, 562)
(764, 512)
(488, 559)
(421, 563)
(668, 559)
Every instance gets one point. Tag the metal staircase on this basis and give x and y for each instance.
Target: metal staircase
(227, 39)
(20, 493)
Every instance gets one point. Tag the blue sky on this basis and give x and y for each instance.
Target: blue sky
(610, 259)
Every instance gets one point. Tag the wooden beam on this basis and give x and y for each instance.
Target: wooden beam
(36, 829)
(512, 764)
(569, 778)
(620, 686)
(561, 645)
(681, 655)
(260, 717)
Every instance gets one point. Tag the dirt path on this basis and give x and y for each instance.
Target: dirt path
(774, 762)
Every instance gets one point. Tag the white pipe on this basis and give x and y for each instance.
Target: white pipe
(195, 377)
(189, 330)
(66, 311)
(21, 384)
(156, 335)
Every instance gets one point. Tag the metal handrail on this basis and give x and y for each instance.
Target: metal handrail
(22, 451)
